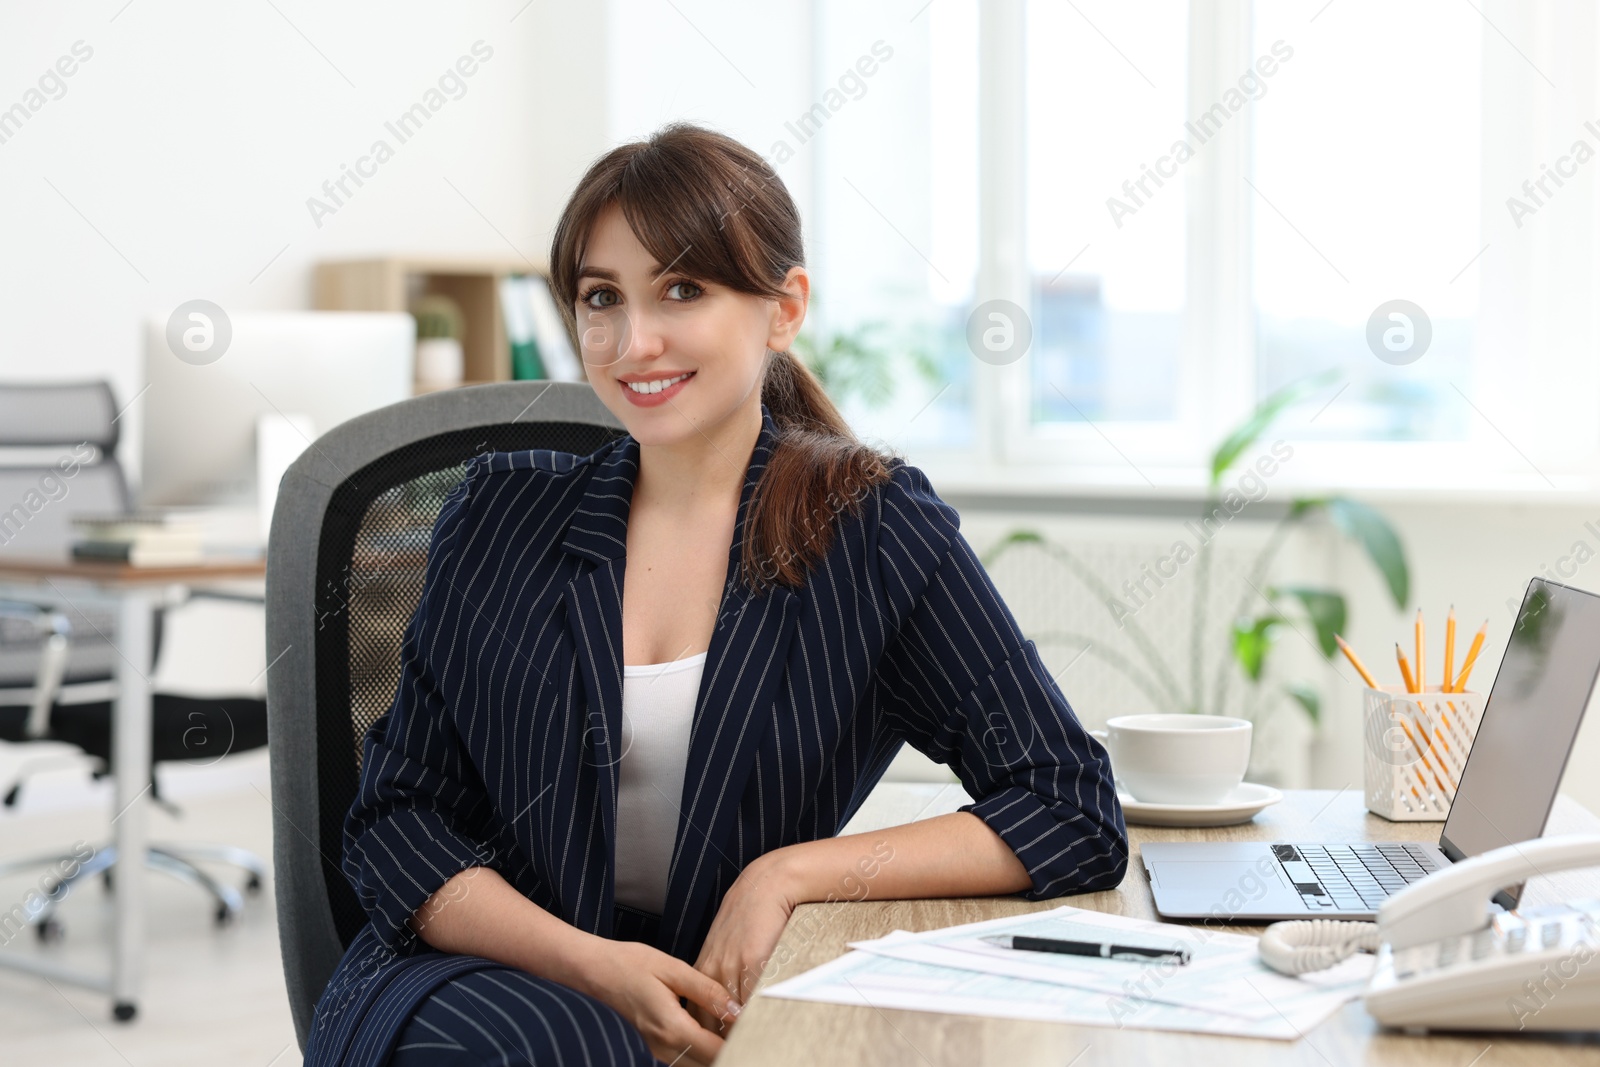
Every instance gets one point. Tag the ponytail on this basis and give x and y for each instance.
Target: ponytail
(818, 471)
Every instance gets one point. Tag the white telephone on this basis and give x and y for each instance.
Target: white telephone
(1449, 959)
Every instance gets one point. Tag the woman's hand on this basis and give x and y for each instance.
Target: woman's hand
(644, 984)
(746, 930)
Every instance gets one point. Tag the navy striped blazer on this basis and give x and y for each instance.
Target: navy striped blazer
(502, 744)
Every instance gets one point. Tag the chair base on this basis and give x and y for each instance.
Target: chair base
(176, 860)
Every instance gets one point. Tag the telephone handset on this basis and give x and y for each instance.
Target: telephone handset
(1449, 959)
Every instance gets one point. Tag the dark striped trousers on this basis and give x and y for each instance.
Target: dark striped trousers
(505, 1016)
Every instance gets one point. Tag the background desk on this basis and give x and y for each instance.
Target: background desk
(774, 1032)
(135, 591)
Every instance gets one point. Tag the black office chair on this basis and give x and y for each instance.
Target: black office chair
(58, 458)
(345, 567)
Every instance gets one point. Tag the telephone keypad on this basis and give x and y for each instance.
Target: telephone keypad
(1552, 928)
(1482, 944)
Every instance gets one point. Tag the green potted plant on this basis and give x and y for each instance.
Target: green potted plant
(440, 363)
(860, 362)
(1252, 631)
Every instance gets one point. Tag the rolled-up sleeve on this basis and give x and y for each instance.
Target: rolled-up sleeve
(421, 812)
(960, 681)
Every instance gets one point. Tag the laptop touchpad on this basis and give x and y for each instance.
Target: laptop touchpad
(1223, 883)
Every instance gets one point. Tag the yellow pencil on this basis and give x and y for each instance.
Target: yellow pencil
(1405, 669)
(1440, 759)
(1355, 661)
(1472, 657)
(1422, 650)
(1444, 739)
(1424, 757)
(1449, 646)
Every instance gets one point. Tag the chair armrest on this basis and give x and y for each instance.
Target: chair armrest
(46, 618)
(57, 631)
(22, 609)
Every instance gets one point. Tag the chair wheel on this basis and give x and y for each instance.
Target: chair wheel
(11, 795)
(224, 915)
(50, 930)
(105, 879)
(253, 884)
(123, 1010)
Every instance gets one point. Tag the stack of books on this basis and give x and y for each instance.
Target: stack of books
(539, 344)
(139, 539)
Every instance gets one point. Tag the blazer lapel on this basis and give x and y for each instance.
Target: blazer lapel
(738, 688)
(598, 533)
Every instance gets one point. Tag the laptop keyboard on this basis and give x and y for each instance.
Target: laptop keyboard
(1352, 877)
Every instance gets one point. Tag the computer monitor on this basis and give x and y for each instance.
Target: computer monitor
(283, 377)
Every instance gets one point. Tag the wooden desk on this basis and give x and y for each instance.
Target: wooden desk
(134, 592)
(774, 1032)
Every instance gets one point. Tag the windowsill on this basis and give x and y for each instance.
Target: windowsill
(1032, 487)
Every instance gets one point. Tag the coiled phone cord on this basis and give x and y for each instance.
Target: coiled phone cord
(1315, 944)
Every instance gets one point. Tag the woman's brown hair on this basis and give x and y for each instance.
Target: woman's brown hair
(716, 211)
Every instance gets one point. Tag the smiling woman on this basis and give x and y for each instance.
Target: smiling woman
(645, 688)
(680, 269)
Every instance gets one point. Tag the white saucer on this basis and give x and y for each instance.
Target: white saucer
(1241, 805)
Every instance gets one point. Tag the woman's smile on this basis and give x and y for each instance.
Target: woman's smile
(655, 391)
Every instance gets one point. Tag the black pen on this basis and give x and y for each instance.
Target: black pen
(1088, 948)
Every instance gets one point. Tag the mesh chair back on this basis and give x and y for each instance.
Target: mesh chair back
(346, 562)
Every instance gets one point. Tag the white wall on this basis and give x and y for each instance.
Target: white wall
(710, 62)
(179, 160)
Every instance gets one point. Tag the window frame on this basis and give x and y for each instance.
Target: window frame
(1219, 370)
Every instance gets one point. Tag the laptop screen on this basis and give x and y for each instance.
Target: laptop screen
(1529, 723)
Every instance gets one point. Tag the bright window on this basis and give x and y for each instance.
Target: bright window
(1366, 191)
(1340, 157)
(897, 227)
(1105, 101)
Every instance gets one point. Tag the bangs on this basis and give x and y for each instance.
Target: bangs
(696, 218)
(700, 203)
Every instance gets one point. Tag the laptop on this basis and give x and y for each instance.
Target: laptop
(1504, 796)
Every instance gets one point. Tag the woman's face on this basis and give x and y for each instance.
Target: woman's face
(639, 323)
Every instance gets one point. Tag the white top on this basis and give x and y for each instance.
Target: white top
(657, 710)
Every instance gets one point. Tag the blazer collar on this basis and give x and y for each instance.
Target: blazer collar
(599, 527)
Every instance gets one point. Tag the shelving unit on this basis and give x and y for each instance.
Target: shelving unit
(392, 284)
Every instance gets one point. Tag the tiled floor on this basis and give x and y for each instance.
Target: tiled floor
(211, 995)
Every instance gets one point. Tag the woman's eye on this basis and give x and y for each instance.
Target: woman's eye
(694, 290)
(590, 299)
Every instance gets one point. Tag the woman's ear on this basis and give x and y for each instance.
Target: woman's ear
(789, 310)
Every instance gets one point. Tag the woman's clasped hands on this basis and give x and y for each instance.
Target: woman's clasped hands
(645, 984)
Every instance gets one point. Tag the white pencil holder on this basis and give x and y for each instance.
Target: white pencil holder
(1415, 747)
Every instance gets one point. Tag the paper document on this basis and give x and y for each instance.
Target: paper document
(1225, 989)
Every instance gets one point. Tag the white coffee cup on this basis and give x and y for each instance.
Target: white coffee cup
(1177, 759)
